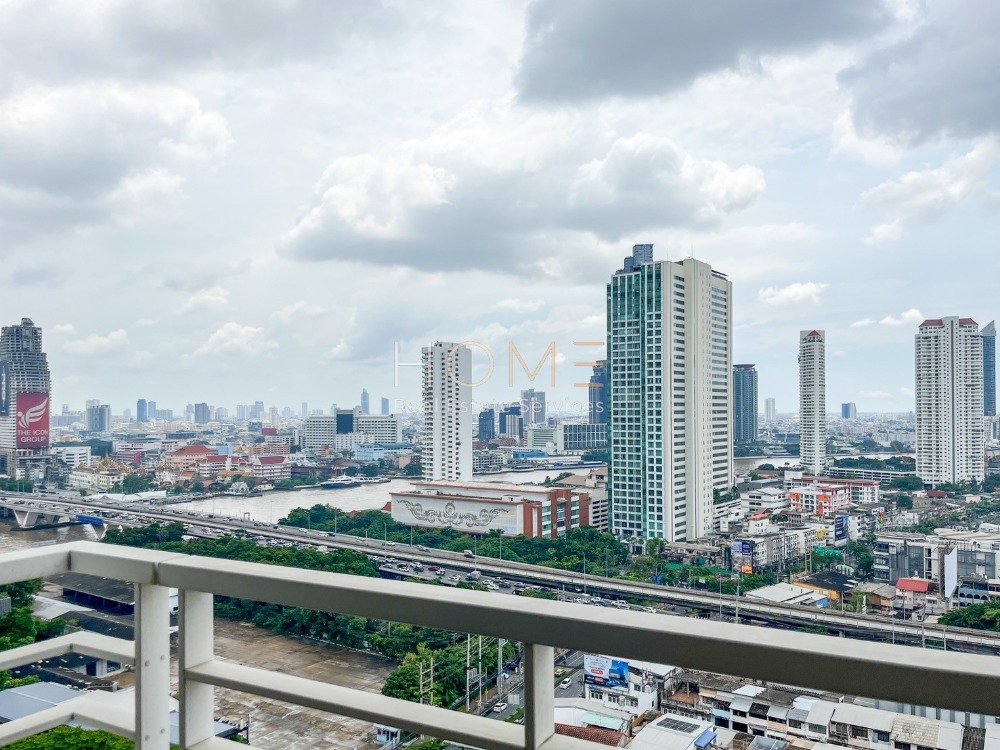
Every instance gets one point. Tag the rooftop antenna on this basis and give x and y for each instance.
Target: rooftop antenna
(691, 251)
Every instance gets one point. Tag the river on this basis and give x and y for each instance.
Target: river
(272, 506)
(14, 539)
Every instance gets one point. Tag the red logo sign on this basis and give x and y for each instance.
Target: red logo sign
(33, 420)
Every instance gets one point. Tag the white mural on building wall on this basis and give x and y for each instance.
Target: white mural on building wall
(451, 516)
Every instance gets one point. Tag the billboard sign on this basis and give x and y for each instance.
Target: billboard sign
(605, 672)
(743, 548)
(840, 531)
(33, 420)
(4, 388)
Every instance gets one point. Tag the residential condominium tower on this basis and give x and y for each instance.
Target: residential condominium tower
(949, 401)
(597, 394)
(812, 400)
(669, 372)
(744, 404)
(533, 406)
(24, 399)
(446, 451)
(770, 410)
(989, 334)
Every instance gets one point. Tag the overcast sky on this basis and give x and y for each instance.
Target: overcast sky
(232, 201)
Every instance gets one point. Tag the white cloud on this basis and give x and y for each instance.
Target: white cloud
(871, 149)
(912, 316)
(95, 345)
(791, 294)
(875, 394)
(518, 184)
(207, 299)
(862, 323)
(905, 391)
(233, 338)
(63, 329)
(926, 196)
(93, 152)
(299, 311)
(518, 305)
(144, 193)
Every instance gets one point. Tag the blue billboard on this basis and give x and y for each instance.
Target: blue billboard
(840, 531)
(743, 548)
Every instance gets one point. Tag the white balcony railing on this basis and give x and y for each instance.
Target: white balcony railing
(905, 674)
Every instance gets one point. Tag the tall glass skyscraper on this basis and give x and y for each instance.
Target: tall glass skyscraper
(744, 404)
(669, 372)
(597, 411)
(989, 334)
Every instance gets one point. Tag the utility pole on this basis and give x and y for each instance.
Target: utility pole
(468, 669)
(429, 688)
(500, 643)
(480, 672)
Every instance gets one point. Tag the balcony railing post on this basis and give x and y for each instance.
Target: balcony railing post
(539, 695)
(196, 646)
(152, 667)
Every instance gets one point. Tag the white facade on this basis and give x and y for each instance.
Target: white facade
(949, 401)
(319, 431)
(669, 385)
(447, 397)
(764, 499)
(770, 411)
(812, 400)
(73, 455)
(379, 428)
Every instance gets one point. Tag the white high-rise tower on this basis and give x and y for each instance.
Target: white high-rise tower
(447, 439)
(949, 401)
(812, 400)
(669, 373)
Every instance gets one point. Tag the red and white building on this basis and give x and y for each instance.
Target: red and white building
(188, 456)
(271, 468)
(912, 593)
(481, 507)
(863, 491)
(820, 499)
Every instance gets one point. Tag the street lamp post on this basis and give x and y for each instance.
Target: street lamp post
(584, 573)
(385, 536)
(606, 564)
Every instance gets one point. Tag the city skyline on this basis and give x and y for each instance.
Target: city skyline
(223, 196)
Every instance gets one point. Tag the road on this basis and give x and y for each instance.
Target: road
(567, 584)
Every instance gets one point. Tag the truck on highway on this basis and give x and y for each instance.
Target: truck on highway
(473, 576)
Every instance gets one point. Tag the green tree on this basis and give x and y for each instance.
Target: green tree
(864, 560)
(413, 469)
(984, 616)
(132, 484)
(910, 484)
(73, 738)
(904, 502)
